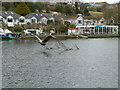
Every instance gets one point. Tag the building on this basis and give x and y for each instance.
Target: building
(11, 18)
(98, 29)
(85, 20)
(36, 18)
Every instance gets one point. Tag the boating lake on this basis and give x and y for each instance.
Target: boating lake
(27, 64)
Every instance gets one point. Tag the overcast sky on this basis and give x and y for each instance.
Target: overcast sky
(108, 1)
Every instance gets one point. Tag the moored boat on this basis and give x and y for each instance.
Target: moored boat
(7, 34)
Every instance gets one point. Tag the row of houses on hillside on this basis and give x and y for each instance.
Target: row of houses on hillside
(11, 18)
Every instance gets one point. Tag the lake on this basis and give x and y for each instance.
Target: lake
(27, 64)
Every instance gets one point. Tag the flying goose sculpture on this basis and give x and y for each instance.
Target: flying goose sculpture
(43, 42)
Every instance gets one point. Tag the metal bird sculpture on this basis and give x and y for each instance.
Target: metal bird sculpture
(43, 42)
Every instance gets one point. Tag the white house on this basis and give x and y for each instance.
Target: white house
(38, 18)
(10, 21)
(1, 19)
(80, 20)
(9, 18)
(22, 20)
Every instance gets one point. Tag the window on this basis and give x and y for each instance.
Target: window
(51, 20)
(21, 20)
(33, 21)
(10, 20)
(102, 22)
(1, 19)
(112, 21)
(79, 21)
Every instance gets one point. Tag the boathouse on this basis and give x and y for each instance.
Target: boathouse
(100, 29)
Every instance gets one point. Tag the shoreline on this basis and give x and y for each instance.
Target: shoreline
(65, 37)
(71, 36)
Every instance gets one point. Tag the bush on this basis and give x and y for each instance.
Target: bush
(10, 28)
(72, 26)
(18, 28)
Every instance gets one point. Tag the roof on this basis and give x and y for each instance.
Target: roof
(5, 14)
(73, 28)
(39, 16)
(36, 15)
(48, 15)
(71, 17)
(89, 17)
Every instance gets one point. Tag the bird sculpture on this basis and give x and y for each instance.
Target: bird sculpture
(43, 42)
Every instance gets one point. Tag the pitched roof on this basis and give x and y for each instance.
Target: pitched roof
(5, 14)
(48, 15)
(71, 17)
(36, 15)
(89, 17)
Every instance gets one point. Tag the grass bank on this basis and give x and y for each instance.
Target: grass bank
(70, 37)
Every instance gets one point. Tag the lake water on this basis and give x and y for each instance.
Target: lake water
(27, 64)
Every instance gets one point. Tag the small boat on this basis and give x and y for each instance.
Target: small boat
(7, 34)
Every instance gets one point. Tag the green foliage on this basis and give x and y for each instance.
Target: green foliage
(59, 8)
(68, 10)
(10, 28)
(31, 6)
(18, 28)
(4, 26)
(76, 8)
(22, 9)
(98, 9)
(8, 6)
(72, 26)
(48, 22)
(60, 28)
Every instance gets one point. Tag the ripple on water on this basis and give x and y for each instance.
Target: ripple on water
(27, 64)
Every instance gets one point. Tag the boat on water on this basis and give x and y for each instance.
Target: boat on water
(7, 34)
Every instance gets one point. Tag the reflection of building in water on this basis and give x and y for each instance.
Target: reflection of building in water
(93, 30)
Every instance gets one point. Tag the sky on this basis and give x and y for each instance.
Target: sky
(108, 1)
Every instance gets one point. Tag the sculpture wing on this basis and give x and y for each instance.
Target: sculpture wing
(38, 39)
(47, 38)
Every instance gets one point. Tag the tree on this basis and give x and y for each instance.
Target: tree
(68, 10)
(111, 13)
(22, 9)
(119, 13)
(31, 6)
(76, 8)
(72, 26)
(58, 8)
(18, 28)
